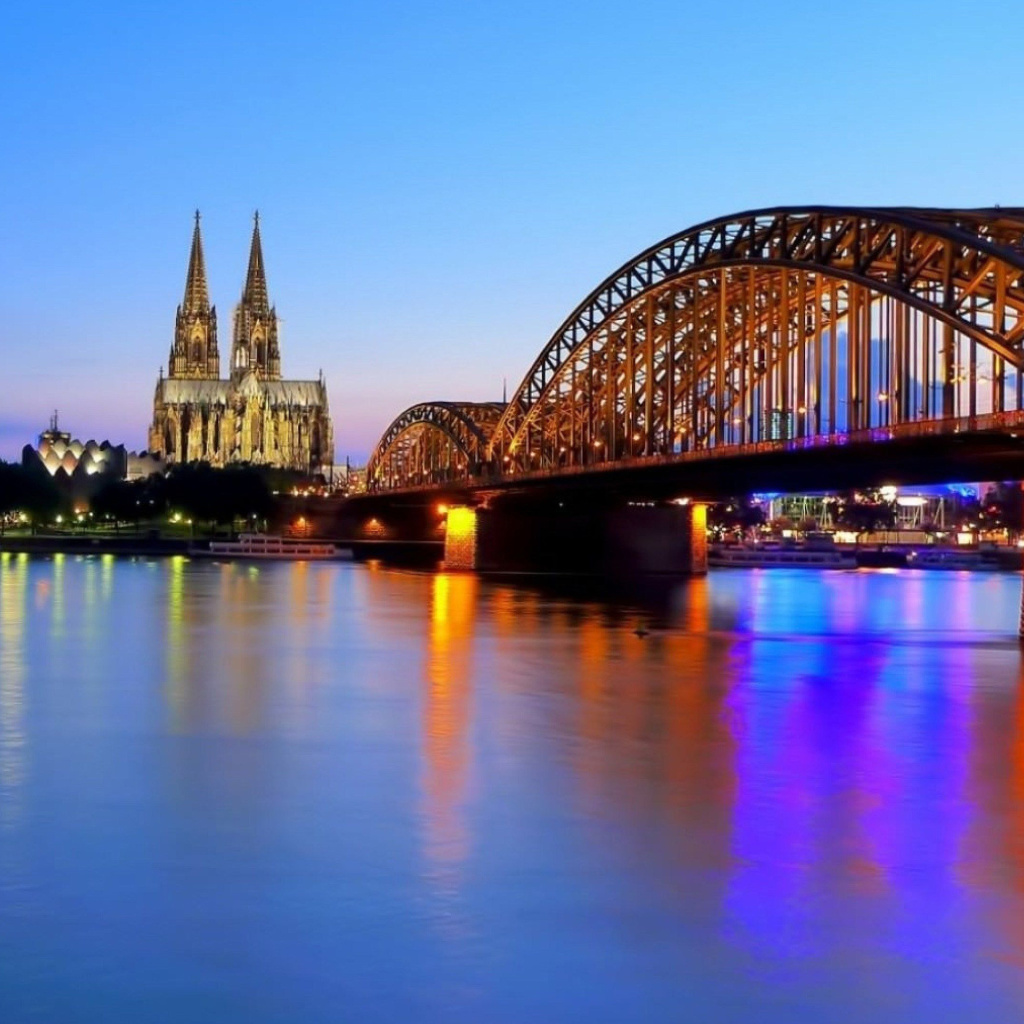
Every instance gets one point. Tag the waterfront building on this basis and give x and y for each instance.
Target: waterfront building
(81, 468)
(919, 508)
(252, 415)
(66, 458)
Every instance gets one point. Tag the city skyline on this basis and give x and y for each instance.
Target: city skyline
(439, 187)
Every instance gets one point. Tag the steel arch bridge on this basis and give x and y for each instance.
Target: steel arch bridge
(774, 328)
(434, 442)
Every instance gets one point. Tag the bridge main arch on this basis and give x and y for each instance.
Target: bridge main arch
(775, 325)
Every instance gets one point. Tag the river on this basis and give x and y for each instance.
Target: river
(335, 792)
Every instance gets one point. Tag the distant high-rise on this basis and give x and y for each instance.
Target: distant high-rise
(253, 415)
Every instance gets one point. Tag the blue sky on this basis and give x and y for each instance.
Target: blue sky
(439, 184)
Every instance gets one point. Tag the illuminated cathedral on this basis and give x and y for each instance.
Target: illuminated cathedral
(252, 415)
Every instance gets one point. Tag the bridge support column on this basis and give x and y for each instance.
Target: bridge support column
(461, 538)
(628, 540)
(697, 527)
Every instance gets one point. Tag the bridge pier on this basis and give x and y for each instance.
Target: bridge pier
(627, 540)
(460, 538)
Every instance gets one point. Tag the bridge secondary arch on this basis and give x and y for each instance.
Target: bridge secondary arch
(433, 442)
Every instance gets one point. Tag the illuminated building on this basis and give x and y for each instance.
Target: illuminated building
(252, 415)
(65, 457)
(81, 467)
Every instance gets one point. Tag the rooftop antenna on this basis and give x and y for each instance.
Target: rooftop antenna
(504, 390)
(53, 421)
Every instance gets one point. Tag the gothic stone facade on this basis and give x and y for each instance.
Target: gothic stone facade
(253, 415)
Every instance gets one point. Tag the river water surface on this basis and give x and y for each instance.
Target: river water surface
(343, 793)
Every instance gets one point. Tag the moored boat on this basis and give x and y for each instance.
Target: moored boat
(264, 545)
(957, 558)
(778, 557)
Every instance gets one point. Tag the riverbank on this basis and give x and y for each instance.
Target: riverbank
(70, 544)
(417, 553)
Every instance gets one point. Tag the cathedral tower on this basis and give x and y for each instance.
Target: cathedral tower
(255, 340)
(252, 417)
(194, 354)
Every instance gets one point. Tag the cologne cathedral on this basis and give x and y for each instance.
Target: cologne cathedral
(253, 415)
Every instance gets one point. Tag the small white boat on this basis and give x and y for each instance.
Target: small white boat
(264, 545)
(955, 558)
(772, 557)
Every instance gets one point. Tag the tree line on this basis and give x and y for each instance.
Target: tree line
(30, 493)
(197, 491)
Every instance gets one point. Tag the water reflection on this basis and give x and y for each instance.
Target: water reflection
(767, 796)
(13, 601)
(177, 645)
(448, 669)
(990, 857)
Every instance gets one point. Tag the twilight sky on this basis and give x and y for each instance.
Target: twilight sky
(439, 183)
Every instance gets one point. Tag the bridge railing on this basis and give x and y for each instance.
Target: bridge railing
(876, 435)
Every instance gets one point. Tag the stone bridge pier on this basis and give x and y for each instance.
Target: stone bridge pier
(626, 540)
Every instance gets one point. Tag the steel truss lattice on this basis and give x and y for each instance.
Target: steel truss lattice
(775, 325)
(432, 443)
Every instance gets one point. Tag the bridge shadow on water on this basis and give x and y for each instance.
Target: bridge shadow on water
(647, 602)
(788, 606)
(650, 602)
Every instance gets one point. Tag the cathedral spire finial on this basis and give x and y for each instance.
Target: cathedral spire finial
(197, 296)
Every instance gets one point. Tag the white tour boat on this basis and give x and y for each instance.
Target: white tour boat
(264, 545)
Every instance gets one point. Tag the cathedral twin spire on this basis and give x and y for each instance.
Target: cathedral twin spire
(194, 354)
(197, 296)
(255, 340)
(255, 290)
